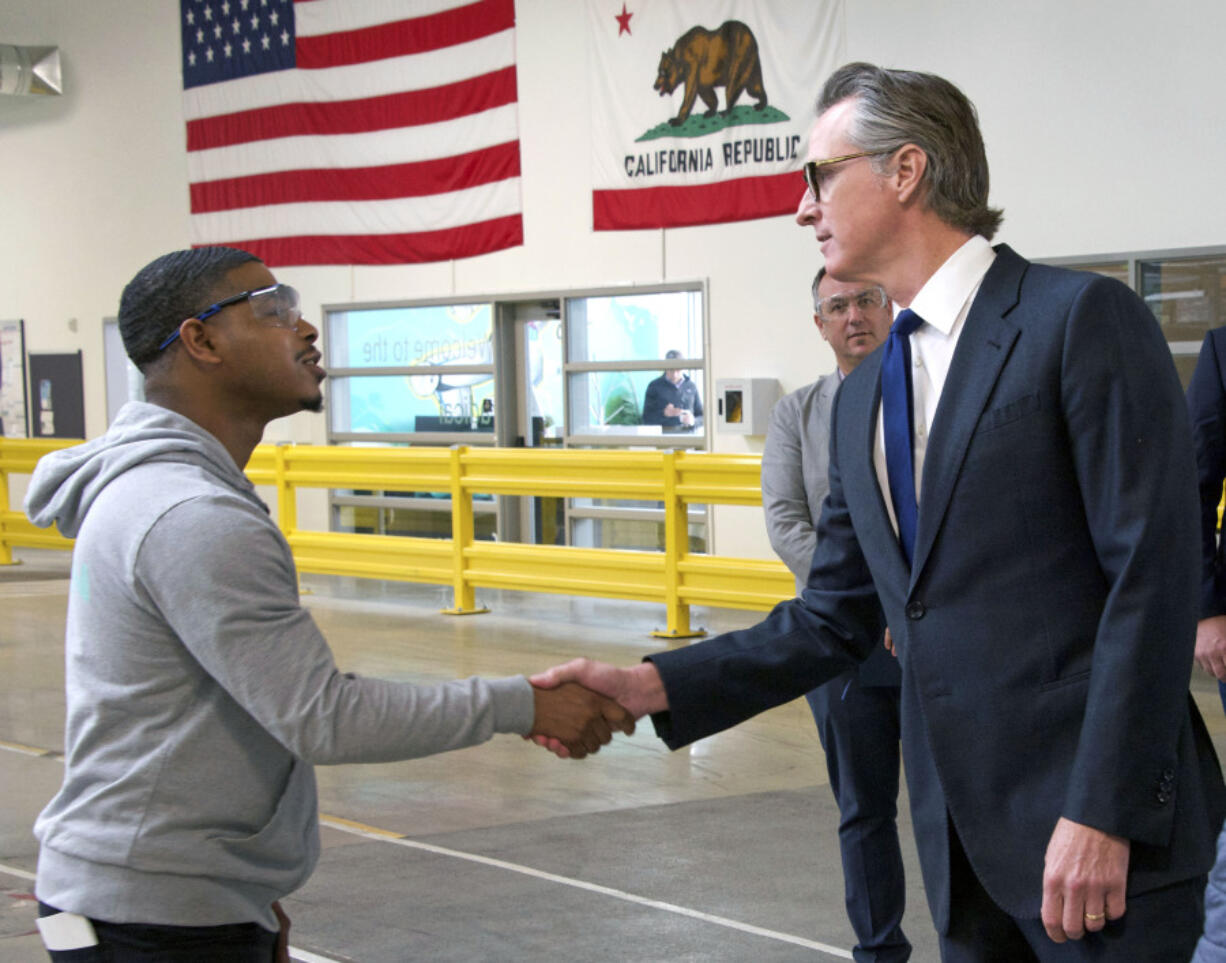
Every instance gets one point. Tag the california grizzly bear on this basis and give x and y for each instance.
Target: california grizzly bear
(706, 59)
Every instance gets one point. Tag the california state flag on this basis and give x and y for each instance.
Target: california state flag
(666, 149)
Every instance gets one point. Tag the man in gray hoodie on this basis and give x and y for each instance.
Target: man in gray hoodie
(200, 693)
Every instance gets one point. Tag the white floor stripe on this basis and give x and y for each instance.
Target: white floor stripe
(14, 871)
(345, 827)
(306, 957)
(595, 888)
(23, 750)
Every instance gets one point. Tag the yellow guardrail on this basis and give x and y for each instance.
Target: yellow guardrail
(674, 578)
(18, 456)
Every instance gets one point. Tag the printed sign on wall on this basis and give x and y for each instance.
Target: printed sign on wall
(12, 379)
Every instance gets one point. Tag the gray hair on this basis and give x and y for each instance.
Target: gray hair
(817, 281)
(168, 291)
(897, 107)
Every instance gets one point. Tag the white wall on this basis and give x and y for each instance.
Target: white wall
(1102, 126)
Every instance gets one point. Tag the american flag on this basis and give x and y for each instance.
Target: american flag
(352, 131)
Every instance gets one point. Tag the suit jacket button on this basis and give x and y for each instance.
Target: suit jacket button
(1168, 775)
(1163, 796)
(915, 610)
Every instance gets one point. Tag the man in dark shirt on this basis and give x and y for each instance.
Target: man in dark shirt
(672, 400)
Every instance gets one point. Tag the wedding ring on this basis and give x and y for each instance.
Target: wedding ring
(1094, 916)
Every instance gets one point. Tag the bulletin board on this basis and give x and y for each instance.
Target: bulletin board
(13, 379)
(57, 396)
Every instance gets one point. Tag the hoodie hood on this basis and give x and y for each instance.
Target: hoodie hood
(65, 483)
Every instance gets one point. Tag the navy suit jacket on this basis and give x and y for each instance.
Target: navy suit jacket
(1207, 407)
(1046, 627)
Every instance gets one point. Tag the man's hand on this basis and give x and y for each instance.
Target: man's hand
(282, 948)
(1084, 880)
(576, 720)
(888, 641)
(672, 411)
(1211, 646)
(637, 689)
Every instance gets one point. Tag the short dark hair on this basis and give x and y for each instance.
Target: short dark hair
(672, 353)
(168, 291)
(897, 107)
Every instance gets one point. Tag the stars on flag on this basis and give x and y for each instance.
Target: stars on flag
(226, 39)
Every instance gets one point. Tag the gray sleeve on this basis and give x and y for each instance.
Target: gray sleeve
(784, 500)
(222, 576)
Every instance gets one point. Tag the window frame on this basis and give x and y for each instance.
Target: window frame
(502, 306)
(1134, 260)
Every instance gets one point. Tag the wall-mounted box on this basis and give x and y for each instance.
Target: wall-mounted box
(743, 405)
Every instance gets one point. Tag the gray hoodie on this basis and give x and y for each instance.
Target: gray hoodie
(200, 693)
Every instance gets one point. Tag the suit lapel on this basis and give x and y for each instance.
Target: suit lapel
(825, 395)
(860, 486)
(984, 346)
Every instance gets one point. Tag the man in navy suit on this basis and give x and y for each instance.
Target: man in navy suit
(1063, 787)
(1207, 408)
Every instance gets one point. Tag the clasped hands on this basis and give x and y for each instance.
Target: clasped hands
(686, 416)
(580, 704)
(1086, 869)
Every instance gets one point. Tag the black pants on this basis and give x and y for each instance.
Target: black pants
(1161, 926)
(859, 729)
(148, 943)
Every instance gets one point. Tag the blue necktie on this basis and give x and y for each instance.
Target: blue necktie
(896, 411)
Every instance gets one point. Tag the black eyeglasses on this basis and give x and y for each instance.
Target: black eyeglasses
(278, 305)
(812, 168)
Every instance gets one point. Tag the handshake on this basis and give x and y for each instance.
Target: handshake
(579, 705)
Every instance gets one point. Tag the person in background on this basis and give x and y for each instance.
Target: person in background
(672, 400)
(200, 693)
(857, 712)
(1207, 408)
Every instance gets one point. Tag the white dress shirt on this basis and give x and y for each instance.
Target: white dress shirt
(943, 302)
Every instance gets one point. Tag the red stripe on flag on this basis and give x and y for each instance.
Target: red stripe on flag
(408, 109)
(359, 184)
(405, 37)
(457, 242)
(736, 200)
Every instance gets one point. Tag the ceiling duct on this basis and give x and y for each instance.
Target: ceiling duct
(30, 70)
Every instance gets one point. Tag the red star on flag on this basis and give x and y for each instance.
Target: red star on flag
(623, 21)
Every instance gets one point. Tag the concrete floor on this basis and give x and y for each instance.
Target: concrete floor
(725, 851)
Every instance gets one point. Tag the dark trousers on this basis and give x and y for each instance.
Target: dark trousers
(1161, 926)
(146, 943)
(858, 726)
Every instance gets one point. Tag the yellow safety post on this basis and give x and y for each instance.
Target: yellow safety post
(19, 456)
(287, 499)
(676, 548)
(462, 529)
(6, 551)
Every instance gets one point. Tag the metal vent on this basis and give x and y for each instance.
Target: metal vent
(30, 70)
